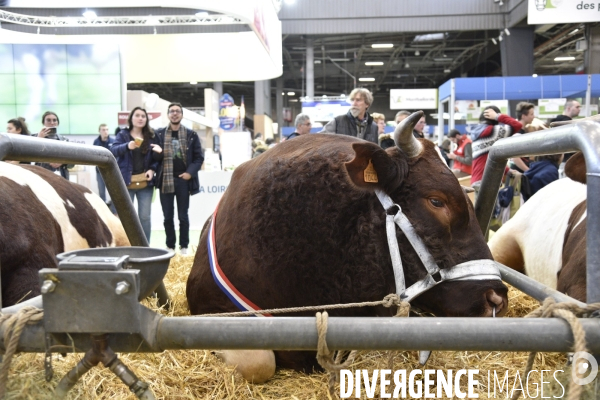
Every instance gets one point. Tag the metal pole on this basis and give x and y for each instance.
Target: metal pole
(440, 122)
(588, 96)
(584, 136)
(26, 148)
(300, 333)
(532, 287)
(310, 70)
(451, 104)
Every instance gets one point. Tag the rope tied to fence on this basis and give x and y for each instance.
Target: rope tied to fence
(332, 362)
(14, 327)
(569, 312)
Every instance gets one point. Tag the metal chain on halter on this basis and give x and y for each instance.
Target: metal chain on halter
(569, 312)
(14, 327)
(332, 361)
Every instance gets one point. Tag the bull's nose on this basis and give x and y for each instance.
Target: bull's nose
(497, 305)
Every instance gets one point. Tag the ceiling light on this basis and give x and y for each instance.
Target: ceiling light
(429, 36)
(500, 3)
(293, 100)
(366, 79)
(442, 59)
(374, 63)
(382, 45)
(407, 65)
(534, 76)
(317, 61)
(342, 95)
(283, 94)
(494, 41)
(500, 38)
(291, 93)
(574, 31)
(417, 53)
(201, 14)
(152, 20)
(507, 31)
(89, 14)
(324, 96)
(567, 58)
(447, 71)
(193, 83)
(340, 59)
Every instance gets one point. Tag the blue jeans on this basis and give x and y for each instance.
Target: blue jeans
(167, 200)
(144, 198)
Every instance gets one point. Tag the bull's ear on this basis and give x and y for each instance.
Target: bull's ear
(372, 167)
(575, 168)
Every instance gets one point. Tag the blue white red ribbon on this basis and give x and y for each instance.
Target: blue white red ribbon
(221, 280)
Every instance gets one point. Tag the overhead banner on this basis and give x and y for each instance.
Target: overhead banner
(413, 99)
(562, 11)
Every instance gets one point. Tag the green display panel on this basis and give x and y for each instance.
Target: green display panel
(80, 83)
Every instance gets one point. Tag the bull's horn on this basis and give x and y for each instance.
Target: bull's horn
(403, 136)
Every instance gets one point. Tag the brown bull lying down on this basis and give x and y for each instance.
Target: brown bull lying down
(546, 239)
(42, 215)
(300, 226)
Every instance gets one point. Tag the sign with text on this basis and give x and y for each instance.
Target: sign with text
(562, 11)
(413, 99)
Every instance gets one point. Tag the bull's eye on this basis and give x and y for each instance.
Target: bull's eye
(436, 202)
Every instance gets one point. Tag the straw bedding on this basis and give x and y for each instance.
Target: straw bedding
(198, 374)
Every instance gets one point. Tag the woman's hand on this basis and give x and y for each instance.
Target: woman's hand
(132, 145)
(156, 148)
(44, 132)
(185, 176)
(490, 114)
(149, 175)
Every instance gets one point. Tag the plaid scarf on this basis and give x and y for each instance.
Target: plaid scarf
(168, 185)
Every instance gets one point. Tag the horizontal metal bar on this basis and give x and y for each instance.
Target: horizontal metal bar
(533, 288)
(506, 334)
(300, 333)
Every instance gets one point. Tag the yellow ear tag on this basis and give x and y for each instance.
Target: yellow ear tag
(370, 173)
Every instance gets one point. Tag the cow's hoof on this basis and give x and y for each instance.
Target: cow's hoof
(257, 366)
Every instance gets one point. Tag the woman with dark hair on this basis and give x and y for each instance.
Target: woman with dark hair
(138, 155)
(493, 126)
(50, 124)
(18, 126)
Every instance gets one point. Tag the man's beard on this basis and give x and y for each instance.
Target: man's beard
(354, 111)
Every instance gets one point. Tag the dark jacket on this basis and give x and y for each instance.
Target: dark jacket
(346, 125)
(293, 135)
(107, 145)
(152, 160)
(194, 159)
(540, 174)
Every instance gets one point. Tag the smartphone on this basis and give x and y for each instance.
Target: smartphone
(52, 131)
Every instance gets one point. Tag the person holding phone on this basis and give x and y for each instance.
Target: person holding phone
(139, 155)
(50, 123)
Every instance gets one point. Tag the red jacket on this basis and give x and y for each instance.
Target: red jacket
(479, 162)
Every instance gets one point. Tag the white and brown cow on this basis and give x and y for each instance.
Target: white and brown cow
(41, 215)
(546, 239)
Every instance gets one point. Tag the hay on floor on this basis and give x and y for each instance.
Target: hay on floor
(198, 374)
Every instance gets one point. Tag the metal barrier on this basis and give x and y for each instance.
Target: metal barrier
(584, 136)
(33, 149)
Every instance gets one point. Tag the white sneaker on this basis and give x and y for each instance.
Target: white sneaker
(183, 251)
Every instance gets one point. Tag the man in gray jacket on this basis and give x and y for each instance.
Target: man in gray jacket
(356, 122)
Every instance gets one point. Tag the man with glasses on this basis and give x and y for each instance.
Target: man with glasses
(178, 177)
(303, 126)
